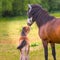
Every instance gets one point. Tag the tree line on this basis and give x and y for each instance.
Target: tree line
(19, 7)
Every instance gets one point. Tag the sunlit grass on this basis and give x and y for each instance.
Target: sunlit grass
(10, 29)
(56, 14)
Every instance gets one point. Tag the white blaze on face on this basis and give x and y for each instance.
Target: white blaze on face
(29, 20)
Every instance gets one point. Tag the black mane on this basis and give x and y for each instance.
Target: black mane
(40, 15)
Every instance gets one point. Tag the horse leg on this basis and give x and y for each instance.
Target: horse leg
(45, 45)
(53, 50)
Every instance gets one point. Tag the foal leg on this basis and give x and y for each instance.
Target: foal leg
(22, 56)
(27, 52)
(45, 45)
(53, 50)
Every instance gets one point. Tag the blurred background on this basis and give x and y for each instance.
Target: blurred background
(19, 7)
(13, 16)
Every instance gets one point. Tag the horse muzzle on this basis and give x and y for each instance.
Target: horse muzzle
(29, 21)
(29, 24)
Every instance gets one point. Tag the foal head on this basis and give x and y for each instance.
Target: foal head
(25, 30)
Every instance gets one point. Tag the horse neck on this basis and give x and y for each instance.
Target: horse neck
(42, 17)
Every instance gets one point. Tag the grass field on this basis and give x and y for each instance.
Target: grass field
(10, 29)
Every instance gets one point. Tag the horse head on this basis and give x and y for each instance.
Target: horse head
(32, 13)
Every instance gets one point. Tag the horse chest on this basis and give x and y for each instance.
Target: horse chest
(42, 33)
(50, 32)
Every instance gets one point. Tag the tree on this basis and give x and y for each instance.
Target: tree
(50, 5)
(0, 7)
(44, 4)
(19, 7)
(6, 7)
(29, 1)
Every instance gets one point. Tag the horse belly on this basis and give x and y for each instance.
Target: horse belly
(54, 33)
(53, 38)
(57, 33)
(55, 41)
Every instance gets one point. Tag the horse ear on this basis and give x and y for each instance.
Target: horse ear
(29, 5)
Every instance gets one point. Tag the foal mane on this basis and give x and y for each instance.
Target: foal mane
(41, 16)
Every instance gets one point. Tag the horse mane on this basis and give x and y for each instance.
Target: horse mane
(41, 16)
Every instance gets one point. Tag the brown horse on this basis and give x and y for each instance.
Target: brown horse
(49, 27)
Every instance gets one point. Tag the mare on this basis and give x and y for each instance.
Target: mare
(48, 26)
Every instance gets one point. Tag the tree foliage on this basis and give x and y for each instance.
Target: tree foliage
(19, 7)
(51, 5)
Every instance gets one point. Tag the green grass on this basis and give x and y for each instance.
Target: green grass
(39, 54)
(10, 29)
(56, 14)
(9, 52)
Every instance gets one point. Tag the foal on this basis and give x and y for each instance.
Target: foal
(24, 44)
